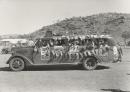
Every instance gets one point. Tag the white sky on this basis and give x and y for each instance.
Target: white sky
(25, 16)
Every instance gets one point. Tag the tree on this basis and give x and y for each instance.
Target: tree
(125, 36)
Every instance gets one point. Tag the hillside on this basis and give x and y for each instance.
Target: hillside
(105, 23)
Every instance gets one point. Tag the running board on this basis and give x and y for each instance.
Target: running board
(57, 64)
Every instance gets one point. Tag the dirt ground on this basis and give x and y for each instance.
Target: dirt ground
(113, 77)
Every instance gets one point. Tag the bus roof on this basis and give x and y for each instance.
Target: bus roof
(76, 37)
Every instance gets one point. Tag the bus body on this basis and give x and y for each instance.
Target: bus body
(80, 49)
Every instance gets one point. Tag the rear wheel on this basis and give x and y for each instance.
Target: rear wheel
(16, 64)
(90, 63)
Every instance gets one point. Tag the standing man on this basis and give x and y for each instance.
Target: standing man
(120, 52)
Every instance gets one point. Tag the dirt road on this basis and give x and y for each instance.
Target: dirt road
(63, 78)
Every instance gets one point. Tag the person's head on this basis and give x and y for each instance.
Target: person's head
(118, 43)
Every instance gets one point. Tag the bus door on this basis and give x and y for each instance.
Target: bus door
(45, 53)
(42, 53)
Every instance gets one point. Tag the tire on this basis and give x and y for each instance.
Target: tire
(90, 63)
(16, 64)
(6, 51)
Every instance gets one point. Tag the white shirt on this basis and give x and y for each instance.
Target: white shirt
(115, 51)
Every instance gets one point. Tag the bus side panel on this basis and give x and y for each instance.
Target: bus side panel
(106, 56)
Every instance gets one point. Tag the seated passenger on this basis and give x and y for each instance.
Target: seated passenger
(74, 49)
(89, 48)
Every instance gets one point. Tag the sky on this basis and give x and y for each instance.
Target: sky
(26, 16)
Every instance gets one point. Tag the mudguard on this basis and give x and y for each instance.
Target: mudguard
(93, 54)
(98, 58)
(27, 60)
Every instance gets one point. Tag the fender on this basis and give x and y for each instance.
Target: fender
(27, 60)
(92, 54)
(98, 58)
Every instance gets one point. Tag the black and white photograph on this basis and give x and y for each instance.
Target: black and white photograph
(64, 45)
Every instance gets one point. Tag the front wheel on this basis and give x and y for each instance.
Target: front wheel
(16, 64)
(90, 63)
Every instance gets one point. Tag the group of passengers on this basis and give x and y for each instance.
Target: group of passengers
(88, 46)
(81, 47)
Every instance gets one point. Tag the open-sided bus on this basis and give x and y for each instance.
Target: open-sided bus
(79, 49)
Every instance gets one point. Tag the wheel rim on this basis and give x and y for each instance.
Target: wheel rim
(17, 64)
(90, 64)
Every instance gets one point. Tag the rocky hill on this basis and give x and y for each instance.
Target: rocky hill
(106, 23)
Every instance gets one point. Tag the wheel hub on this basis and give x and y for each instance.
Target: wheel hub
(16, 64)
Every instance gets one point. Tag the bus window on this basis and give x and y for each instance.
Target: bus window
(96, 43)
(64, 42)
(57, 42)
(89, 44)
(42, 43)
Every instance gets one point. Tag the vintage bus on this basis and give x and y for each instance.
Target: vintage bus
(86, 50)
